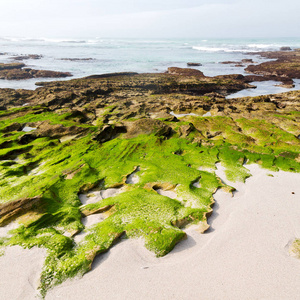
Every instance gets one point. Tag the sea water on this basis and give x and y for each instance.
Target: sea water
(138, 55)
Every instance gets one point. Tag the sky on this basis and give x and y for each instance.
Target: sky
(150, 18)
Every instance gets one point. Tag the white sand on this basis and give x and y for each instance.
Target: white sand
(244, 255)
(20, 273)
(4, 231)
(133, 178)
(88, 222)
(95, 196)
(171, 194)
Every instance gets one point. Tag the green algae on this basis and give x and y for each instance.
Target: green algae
(295, 248)
(58, 172)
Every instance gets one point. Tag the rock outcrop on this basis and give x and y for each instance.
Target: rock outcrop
(193, 64)
(26, 57)
(184, 72)
(286, 64)
(17, 71)
(91, 135)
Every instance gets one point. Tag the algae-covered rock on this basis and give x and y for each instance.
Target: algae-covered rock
(91, 135)
(147, 126)
(184, 71)
(10, 211)
(16, 71)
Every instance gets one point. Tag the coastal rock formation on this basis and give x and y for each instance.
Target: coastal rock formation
(284, 69)
(11, 66)
(103, 90)
(184, 72)
(193, 64)
(243, 61)
(247, 61)
(90, 135)
(25, 57)
(285, 48)
(286, 65)
(16, 71)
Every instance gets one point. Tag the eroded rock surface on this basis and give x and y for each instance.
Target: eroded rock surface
(110, 131)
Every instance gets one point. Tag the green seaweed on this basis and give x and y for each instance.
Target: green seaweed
(58, 172)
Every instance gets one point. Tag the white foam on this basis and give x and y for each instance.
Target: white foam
(218, 49)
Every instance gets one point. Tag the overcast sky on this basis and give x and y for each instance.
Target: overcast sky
(150, 18)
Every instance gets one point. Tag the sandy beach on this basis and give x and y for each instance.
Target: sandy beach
(20, 273)
(244, 254)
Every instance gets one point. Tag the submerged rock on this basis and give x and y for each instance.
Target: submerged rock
(184, 71)
(78, 59)
(25, 57)
(285, 48)
(193, 64)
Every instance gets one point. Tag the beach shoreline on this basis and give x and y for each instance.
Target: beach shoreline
(244, 254)
(85, 155)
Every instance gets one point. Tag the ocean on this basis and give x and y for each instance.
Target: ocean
(100, 56)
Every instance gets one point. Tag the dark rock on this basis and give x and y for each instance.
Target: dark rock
(238, 63)
(26, 138)
(78, 59)
(232, 76)
(11, 66)
(12, 97)
(192, 64)
(12, 127)
(247, 61)
(148, 126)
(184, 72)
(108, 75)
(229, 62)
(284, 64)
(109, 132)
(285, 48)
(185, 130)
(15, 71)
(49, 74)
(24, 57)
(45, 129)
(280, 105)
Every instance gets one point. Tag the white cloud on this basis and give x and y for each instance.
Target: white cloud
(140, 18)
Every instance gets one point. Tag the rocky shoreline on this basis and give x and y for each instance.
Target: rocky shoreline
(284, 67)
(169, 130)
